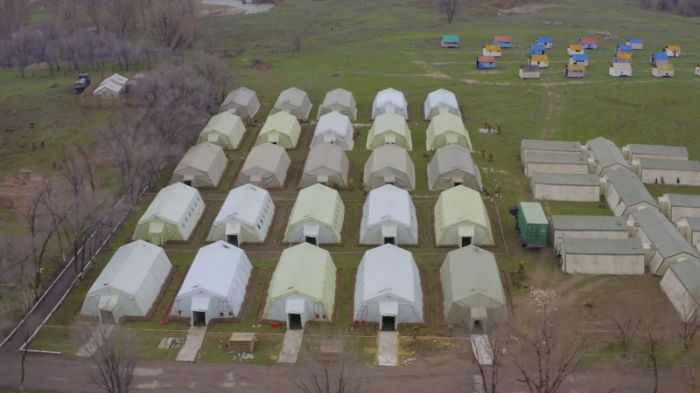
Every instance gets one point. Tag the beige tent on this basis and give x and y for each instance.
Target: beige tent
(202, 166)
(225, 129)
(295, 102)
(446, 128)
(453, 165)
(280, 129)
(243, 102)
(266, 166)
(390, 164)
(327, 164)
(339, 100)
(389, 129)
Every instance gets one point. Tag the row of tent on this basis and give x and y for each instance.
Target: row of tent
(388, 216)
(387, 292)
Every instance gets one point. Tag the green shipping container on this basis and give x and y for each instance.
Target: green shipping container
(532, 225)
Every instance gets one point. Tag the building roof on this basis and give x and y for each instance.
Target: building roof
(202, 156)
(388, 269)
(389, 202)
(586, 246)
(530, 68)
(317, 202)
(502, 38)
(693, 223)
(450, 38)
(580, 56)
(606, 152)
(293, 96)
(533, 212)
(565, 179)
(624, 55)
(576, 67)
(688, 273)
(329, 156)
(390, 122)
(242, 97)
(244, 203)
(683, 200)
(576, 47)
(538, 47)
(339, 100)
(673, 47)
(675, 151)
(635, 40)
(663, 235)
(267, 156)
(660, 56)
(629, 187)
(472, 271)
(171, 203)
(670, 165)
(486, 59)
(445, 122)
(224, 123)
(461, 203)
(537, 57)
(624, 48)
(335, 122)
(556, 158)
(541, 144)
(544, 39)
(213, 269)
(492, 47)
(589, 223)
(588, 40)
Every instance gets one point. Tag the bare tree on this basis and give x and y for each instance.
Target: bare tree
(121, 16)
(172, 23)
(489, 375)
(22, 48)
(690, 325)
(114, 359)
(94, 10)
(626, 331)
(215, 71)
(327, 362)
(652, 355)
(13, 15)
(449, 8)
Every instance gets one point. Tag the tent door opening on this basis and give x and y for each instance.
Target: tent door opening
(456, 183)
(199, 318)
(478, 327)
(295, 321)
(466, 241)
(388, 323)
(187, 182)
(390, 240)
(311, 240)
(232, 239)
(106, 317)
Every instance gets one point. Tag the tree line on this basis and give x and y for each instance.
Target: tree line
(680, 7)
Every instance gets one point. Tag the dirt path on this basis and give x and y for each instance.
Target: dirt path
(553, 102)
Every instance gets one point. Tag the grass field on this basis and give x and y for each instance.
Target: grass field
(365, 46)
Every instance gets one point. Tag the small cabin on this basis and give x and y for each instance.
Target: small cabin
(491, 50)
(673, 50)
(450, 41)
(575, 49)
(575, 71)
(540, 61)
(618, 59)
(663, 71)
(588, 42)
(536, 49)
(697, 70)
(547, 42)
(622, 48)
(504, 41)
(577, 58)
(485, 62)
(635, 43)
(620, 69)
(658, 58)
(529, 72)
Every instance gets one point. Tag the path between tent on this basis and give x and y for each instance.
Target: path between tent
(95, 340)
(195, 337)
(387, 355)
(482, 349)
(291, 346)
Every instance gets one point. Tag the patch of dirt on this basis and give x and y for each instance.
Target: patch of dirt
(477, 82)
(259, 65)
(219, 10)
(437, 75)
(532, 8)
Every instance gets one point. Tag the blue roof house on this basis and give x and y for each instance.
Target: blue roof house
(579, 58)
(547, 42)
(635, 43)
(659, 58)
(617, 60)
(485, 62)
(536, 49)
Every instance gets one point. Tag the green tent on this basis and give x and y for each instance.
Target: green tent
(446, 128)
(172, 215)
(280, 129)
(224, 129)
(389, 129)
(317, 216)
(461, 218)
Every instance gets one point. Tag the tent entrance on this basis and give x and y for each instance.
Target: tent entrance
(294, 321)
(310, 240)
(187, 182)
(199, 318)
(390, 240)
(390, 179)
(466, 235)
(466, 241)
(479, 319)
(388, 310)
(311, 232)
(106, 317)
(388, 323)
(457, 181)
(232, 239)
(389, 234)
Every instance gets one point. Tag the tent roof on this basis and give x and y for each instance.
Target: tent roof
(304, 269)
(336, 122)
(461, 203)
(453, 156)
(629, 187)
(213, 269)
(390, 96)
(390, 156)
(292, 95)
(389, 202)
(171, 203)
(606, 152)
(589, 223)
(282, 122)
(316, 202)
(446, 121)
(244, 203)
(329, 156)
(201, 156)
(682, 200)
(390, 122)
(565, 179)
(677, 151)
(388, 269)
(128, 267)
(537, 144)
(572, 245)
(225, 123)
(339, 97)
(441, 97)
(109, 85)
(556, 158)
(266, 156)
(688, 273)
(670, 165)
(474, 271)
(663, 235)
(242, 96)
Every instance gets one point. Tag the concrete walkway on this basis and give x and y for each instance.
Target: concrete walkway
(98, 335)
(195, 337)
(291, 346)
(481, 346)
(387, 353)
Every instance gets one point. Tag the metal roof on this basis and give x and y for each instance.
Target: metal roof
(688, 273)
(534, 214)
(602, 246)
(565, 179)
(629, 187)
(682, 200)
(589, 223)
(670, 165)
(540, 144)
(606, 152)
(663, 235)
(554, 158)
(676, 151)
(693, 223)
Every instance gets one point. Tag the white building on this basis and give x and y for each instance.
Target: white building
(390, 101)
(677, 206)
(565, 187)
(602, 256)
(389, 217)
(681, 284)
(388, 289)
(625, 193)
(245, 217)
(690, 229)
(556, 163)
(587, 227)
(215, 284)
(605, 156)
(334, 127)
(636, 151)
(671, 172)
(546, 146)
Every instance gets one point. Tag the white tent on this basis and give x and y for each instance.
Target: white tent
(215, 285)
(334, 127)
(440, 98)
(111, 86)
(389, 216)
(245, 216)
(129, 284)
(172, 215)
(388, 289)
(390, 101)
(202, 166)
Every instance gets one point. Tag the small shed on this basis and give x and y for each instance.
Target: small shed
(531, 71)
(666, 244)
(295, 102)
(616, 257)
(670, 172)
(461, 218)
(536, 49)
(663, 70)
(673, 50)
(504, 41)
(575, 71)
(172, 216)
(658, 58)
(243, 102)
(129, 284)
(389, 129)
(623, 48)
(266, 166)
(588, 42)
(389, 164)
(326, 164)
(531, 224)
(540, 61)
(450, 41)
(579, 58)
(390, 101)
(485, 62)
(681, 283)
(547, 42)
(202, 166)
(472, 290)
(587, 227)
(605, 155)
(548, 146)
(677, 206)
(635, 43)
(317, 216)
(241, 342)
(690, 229)
(336, 128)
(389, 217)
(491, 50)
(453, 165)
(245, 217)
(618, 69)
(565, 187)
(556, 163)
(215, 284)
(302, 287)
(625, 193)
(574, 49)
(697, 70)
(636, 151)
(280, 129)
(224, 129)
(388, 288)
(339, 100)
(439, 100)
(445, 129)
